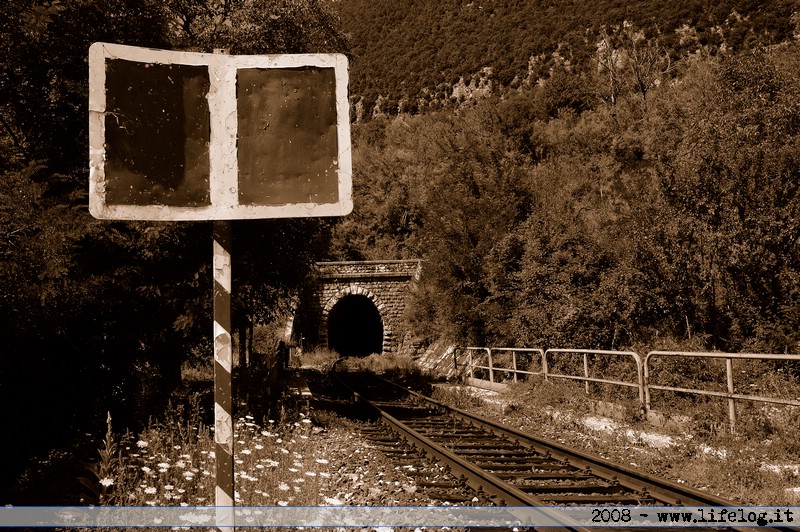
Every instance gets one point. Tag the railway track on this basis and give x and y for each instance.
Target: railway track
(505, 466)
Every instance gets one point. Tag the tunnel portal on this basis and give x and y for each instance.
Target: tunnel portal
(355, 327)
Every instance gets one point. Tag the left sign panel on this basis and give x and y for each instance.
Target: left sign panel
(190, 136)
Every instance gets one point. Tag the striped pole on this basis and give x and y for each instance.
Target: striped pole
(223, 396)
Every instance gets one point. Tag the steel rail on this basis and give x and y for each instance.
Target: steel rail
(477, 478)
(587, 465)
(663, 490)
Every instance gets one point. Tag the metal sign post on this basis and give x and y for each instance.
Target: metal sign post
(191, 136)
(224, 495)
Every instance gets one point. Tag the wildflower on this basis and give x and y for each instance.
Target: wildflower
(305, 420)
(180, 463)
(259, 446)
(284, 451)
(325, 475)
(106, 482)
(321, 461)
(279, 440)
(147, 470)
(141, 444)
(245, 451)
(163, 465)
(150, 490)
(283, 486)
(310, 474)
(283, 503)
(239, 461)
(169, 487)
(177, 447)
(293, 469)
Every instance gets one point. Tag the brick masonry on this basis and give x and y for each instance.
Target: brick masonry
(387, 284)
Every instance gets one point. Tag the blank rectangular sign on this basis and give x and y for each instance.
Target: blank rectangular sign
(190, 136)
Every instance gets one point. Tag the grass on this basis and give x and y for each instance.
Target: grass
(736, 465)
(320, 358)
(172, 463)
(282, 461)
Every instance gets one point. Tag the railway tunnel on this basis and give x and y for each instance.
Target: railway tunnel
(355, 327)
(355, 308)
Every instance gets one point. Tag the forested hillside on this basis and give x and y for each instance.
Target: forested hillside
(649, 198)
(411, 53)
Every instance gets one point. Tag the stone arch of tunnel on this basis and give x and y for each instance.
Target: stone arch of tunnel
(343, 300)
(352, 323)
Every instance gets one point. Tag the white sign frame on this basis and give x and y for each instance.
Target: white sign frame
(223, 159)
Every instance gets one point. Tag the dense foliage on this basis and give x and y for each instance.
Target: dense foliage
(410, 54)
(97, 315)
(659, 217)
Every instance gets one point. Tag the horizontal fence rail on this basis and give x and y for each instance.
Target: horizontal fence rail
(586, 353)
(730, 394)
(499, 364)
(504, 364)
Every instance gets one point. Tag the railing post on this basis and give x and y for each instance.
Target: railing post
(491, 366)
(514, 364)
(731, 400)
(646, 372)
(544, 365)
(586, 371)
(471, 365)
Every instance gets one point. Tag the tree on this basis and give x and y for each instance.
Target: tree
(99, 314)
(734, 180)
(631, 61)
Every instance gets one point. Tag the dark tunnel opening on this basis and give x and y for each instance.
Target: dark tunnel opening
(355, 327)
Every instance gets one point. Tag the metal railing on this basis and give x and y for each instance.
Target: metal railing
(730, 393)
(486, 361)
(586, 379)
(490, 363)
